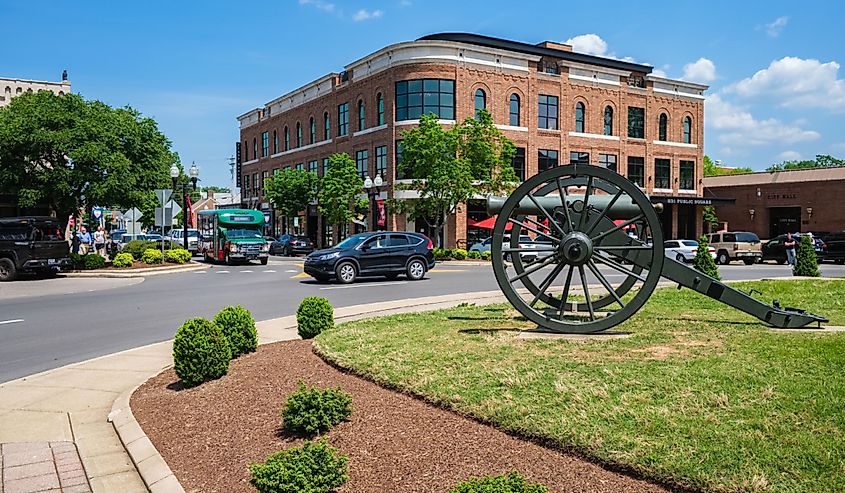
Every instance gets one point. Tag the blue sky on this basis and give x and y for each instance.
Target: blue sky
(777, 91)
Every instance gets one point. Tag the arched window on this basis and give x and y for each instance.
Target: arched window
(18, 91)
(608, 120)
(514, 110)
(246, 151)
(661, 126)
(687, 130)
(380, 104)
(480, 101)
(254, 148)
(579, 117)
(298, 135)
(275, 142)
(313, 131)
(287, 139)
(327, 128)
(361, 116)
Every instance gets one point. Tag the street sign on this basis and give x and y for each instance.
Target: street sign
(98, 213)
(132, 216)
(163, 195)
(173, 205)
(163, 216)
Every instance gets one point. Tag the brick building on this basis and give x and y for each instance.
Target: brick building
(556, 105)
(773, 203)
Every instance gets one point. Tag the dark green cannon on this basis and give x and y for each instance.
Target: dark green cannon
(587, 220)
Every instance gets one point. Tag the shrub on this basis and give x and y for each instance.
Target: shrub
(200, 352)
(313, 316)
(703, 261)
(806, 263)
(136, 248)
(513, 482)
(177, 256)
(315, 467)
(93, 261)
(486, 255)
(311, 410)
(122, 260)
(238, 326)
(151, 256)
(440, 254)
(459, 254)
(474, 254)
(76, 259)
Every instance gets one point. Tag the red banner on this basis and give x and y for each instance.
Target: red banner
(382, 216)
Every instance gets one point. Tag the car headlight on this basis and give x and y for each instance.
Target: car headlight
(265, 247)
(329, 256)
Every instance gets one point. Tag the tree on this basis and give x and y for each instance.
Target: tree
(451, 166)
(806, 263)
(821, 161)
(703, 261)
(340, 190)
(709, 216)
(69, 153)
(711, 169)
(291, 191)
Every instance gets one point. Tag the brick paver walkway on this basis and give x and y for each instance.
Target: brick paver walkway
(41, 467)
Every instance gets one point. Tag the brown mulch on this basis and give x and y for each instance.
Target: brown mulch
(395, 443)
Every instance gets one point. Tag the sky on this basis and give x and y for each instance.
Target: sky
(776, 89)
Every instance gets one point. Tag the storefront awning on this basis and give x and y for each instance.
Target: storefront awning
(676, 200)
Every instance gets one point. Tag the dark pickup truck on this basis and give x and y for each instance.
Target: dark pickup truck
(31, 244)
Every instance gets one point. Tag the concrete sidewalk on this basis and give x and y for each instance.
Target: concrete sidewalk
(82, 411)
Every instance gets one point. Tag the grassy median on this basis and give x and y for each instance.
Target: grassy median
(700, 395)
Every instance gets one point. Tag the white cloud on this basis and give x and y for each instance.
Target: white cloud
(591, 44)
(319, 4)
(364, 15)
(736, 126)
(796, 82)
(659, 73)
(774, 28)
(789, 156)
(701, 70)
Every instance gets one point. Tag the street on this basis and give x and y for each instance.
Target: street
(46, 324)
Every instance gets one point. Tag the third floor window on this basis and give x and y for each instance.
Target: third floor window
(480, 101)
(608, 120)
(415, 98)
(514, 110)
(380, 104)
(579, 117)
(342, 119)
(662, 123)
(362, 124)
(636, 122)
(547, 112)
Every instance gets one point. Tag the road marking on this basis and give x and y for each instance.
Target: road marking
(447, 270)
(200, 272)
(301, 275)
(270, 270)
(222, 272)
(247, 270)
(4, 322)
(291, 270)
(366, 285)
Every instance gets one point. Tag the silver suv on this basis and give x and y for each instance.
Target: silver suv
(738, 245)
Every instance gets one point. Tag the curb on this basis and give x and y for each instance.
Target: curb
(152, 271)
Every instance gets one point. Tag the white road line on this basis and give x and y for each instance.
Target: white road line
(271, 270)
(222, 272)
(246, 270)
(366, 285)
(200, 272)
(4, 322)
(291, 270)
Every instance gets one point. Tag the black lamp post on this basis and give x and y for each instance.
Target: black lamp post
(174, 176)
(373, 188)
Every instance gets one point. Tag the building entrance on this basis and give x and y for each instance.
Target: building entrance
(784, 220)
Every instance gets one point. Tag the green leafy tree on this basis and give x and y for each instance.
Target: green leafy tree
(709, 216)
(451, 166)
(711, 169)
(806, 263)
(340, 190)
(703, 261)
(68, 153)
(291, 191)
(821, 161)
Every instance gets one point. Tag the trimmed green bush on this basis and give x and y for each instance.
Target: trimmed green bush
(474, 254)
(200, 352)
(310, 410)
(316, 467)
(151, 256)
(513, 482)
(486, 255)
(459, 254)
(93, 261)
(123, 260)
(440, 254)
(238, 326)
(806, 263)
(136, 248)
(177, 256)
(313, 316)
(703, 261)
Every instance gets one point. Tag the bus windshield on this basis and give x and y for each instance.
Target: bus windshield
(243, 233)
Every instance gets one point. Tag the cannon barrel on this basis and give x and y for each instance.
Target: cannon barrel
(623, 208)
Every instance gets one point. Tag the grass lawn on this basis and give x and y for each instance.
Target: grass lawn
(700, 395)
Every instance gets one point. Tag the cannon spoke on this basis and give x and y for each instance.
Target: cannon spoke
(616, 266)
(565, 293)
(583, 220)
(534, 268)
(603, 280)
(618, 227)
(563, 195)
(547, 282)
(546, 213)
(604, 212)
(529, 228)
(586, 292)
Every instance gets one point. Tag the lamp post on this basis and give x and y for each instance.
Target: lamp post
(174, 176)
(373, 188)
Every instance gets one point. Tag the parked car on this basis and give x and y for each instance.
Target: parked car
(289, 245)
(525, 242)
(126, 238)
(193, 239)
(386, 254)
(737, 245)
(774, 249)
(31, 244)
(835, 247)
(683, 250)
(153, 236)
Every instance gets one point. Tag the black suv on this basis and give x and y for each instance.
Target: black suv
(289, 245)
(31, 244)
(380, 253)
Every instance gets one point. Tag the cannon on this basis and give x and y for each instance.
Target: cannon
(588, 220)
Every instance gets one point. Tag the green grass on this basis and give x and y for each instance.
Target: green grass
(700, 395)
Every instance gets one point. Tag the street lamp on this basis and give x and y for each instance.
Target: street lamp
(373, 188)
(174, 177)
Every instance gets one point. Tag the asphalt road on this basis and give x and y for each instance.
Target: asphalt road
(51, 323)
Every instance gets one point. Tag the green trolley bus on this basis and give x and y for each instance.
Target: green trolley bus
(233, 236)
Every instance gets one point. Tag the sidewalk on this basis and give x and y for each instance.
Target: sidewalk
(52, 422)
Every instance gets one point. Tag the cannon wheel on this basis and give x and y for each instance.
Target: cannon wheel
(581, 237)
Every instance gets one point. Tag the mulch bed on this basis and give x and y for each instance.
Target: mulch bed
(395, 443)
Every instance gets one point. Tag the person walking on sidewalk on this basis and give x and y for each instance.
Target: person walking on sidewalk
(100, 241)
(789, 245)
(85, 240)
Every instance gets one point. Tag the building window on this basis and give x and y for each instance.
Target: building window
(300, 166)
(546, 159)
(687, 175)
(579, 117)
(327, 126)
(514, 110)
(381, 161)
(687, 130)
(662, 173)
(264, 175)
(325, 165)
(380, 104)
(275, 142)
(276, 171)
(312, 166)
(577, 157)
(298, 135)
(401, 173)
(312, 126)
(547, 112)
(415, 98)
(551, 68)
(361, 162)
(636, 170)
(361, 116)
(254, 148)
(255, 183)
(608, 161)
(287, 139)
(265, 144)
(608, 120)
(245, 182)
(518, 163)
(480, 101)
(662, 123)
(636, 122)
(246, 152)
(342, 119)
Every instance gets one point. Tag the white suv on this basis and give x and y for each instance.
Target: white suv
(193, 238)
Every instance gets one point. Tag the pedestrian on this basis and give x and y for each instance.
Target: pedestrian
(74, 243)
(85, 240)
(100, 241)
(789, 246)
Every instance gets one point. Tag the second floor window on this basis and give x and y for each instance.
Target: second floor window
(547, 112)
(636, 122)
(480, 101)
(381, 162)
(312, 127)
(662, 173)
(518, 163)
(513, 110)
(342, 119)
(608, 120)
(287, 139)
(415, 98)
(298, 135)
(579, 117)
(325, 165)
(687, 137)
(254, 148)
(265, 144)
(362, 163)
(327, 126)
(361, 116)
(687, 170)
(312, 166)
(608, 161)
(380, 104)
(636, 170)
(662, 123)
(577, 157)
(546, 159)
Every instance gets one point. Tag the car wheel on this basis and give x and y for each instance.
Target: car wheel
(748, 261)
(264, 261)
(416, 269)
(722, 258)
(7, 270)
(839, 261)
(680, 258)
(346, 272)
(229, 261)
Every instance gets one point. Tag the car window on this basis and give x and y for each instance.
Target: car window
(747, 237)
(379, 241)
(487, 241)
(670, 244)
(729, 238)
(690, 243)
(397, 240)
(284, 237)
